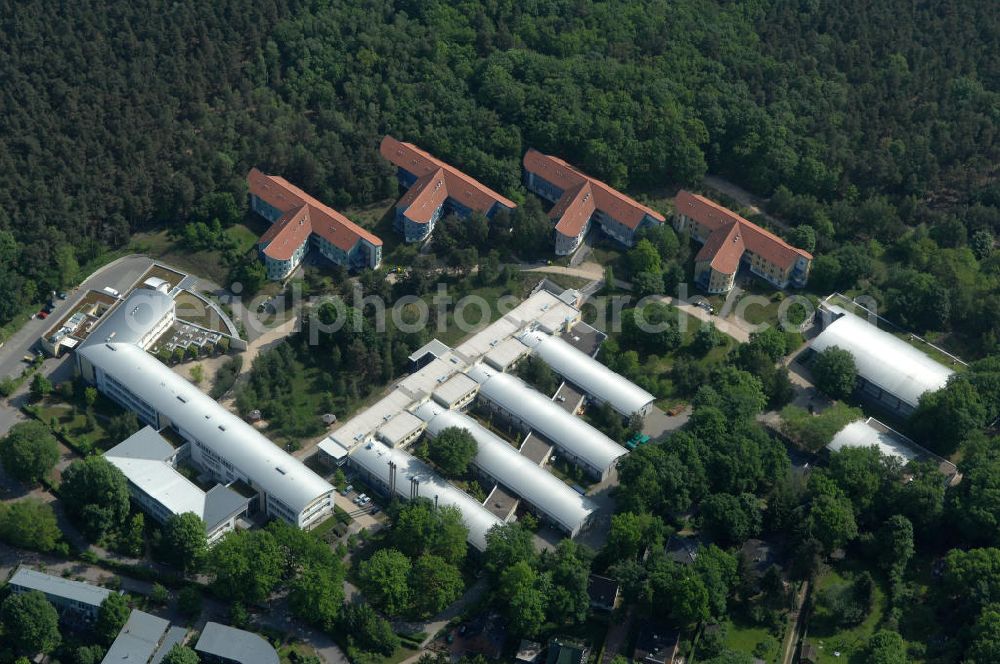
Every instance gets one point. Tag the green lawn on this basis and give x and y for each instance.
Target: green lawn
(208, 264)
(74, 426)
(743, 636)
(848, 642)
(302, 417)
(816, 431)
(658, 366)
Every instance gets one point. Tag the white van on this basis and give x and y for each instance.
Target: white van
(111, 291)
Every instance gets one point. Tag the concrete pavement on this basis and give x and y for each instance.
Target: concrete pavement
(118, 274)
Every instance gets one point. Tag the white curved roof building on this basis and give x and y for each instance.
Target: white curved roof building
(588, 374)
(220, 442)
(558, 502)
(530, 409)
(895, 372)
(374, 458)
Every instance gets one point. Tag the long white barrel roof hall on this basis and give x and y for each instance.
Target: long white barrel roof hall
(588, 374)
(548, 418)
(197, 416)
(525, 478)
(374, 457)
(883, 359)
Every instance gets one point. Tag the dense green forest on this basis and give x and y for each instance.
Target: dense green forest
(867, 118)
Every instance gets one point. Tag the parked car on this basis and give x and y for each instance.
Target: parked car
(367, 500)
(43, 314)
(347, 489)
(375, 510)
(63, 295)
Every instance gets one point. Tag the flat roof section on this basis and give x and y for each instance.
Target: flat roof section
(399, 428)
(434, 347)
(455, 389)
(569, 398)
(536, 448)
(362, 426)
(506, 354)
(501, 502)
(584, 338)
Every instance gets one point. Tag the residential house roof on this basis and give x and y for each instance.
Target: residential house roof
(583, 194)
(760, 555)
(655, 644)
(302, 216)
(528, 651)
(603, 591)
(562, 651)
(740, 235)
(436, 181)
(683, 550)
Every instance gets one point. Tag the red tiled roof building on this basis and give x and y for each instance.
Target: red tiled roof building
(580, 200)
(434, 189)
(730, 241)
(296, 218)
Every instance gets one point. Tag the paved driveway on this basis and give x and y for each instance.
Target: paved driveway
(118, 274)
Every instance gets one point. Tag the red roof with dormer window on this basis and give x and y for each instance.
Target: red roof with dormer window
(302, 216)
(583, 194)
(435, 182)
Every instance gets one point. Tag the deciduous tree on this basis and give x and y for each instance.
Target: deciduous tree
(95, 495)
(29, 451)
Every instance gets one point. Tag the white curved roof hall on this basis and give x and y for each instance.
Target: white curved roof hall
(543, 490)
(547, 418)
(273, 470)
(588, 374)
(374, 457)
(884, 360)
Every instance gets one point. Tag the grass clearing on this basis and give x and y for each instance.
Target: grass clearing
(849, 642)
(73, 426)
(743, 636)
(814, 432)
(209, 264)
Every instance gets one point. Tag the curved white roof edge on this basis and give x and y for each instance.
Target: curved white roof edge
(374, 457)
(883, 359)
(588, 374)
(273, 470)
(525, 478)
(547, 417)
